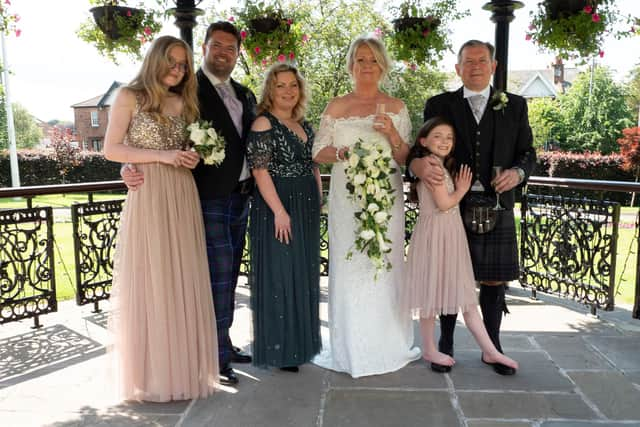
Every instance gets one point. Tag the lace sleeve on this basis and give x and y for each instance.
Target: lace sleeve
(404, 125)
(324, 136)
(260, 146)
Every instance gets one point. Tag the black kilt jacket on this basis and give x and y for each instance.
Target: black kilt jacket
(218, 181)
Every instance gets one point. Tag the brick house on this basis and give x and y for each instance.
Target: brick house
(91, 118)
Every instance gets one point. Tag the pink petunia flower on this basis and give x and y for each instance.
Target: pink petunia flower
(7, 2)
(264, 62)
(257, 50)
(243, 34)
(413, 66)
(18, 32)
(426, 32)
(595, 17)
(128, 13)
(532, 27)
(527, 37)
(588, 9)
(292, 56)
(305, 38)
(289, 21)
(231, 19)
(601, 53)
(377, 32)
(281, 58)
(147, 31)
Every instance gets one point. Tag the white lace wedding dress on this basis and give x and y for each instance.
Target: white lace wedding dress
(368, 332)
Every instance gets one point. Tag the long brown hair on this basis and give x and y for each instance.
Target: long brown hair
(148, 87)
(418, 150)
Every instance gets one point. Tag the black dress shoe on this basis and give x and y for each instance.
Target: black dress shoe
(500, 368)
(441, 369)
(290, 368)
(239, 356)
(228, 376)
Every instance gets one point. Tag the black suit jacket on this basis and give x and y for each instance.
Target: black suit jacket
(512, 139)
(218, 181)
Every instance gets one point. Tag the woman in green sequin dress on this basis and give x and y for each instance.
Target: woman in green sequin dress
(284, 226)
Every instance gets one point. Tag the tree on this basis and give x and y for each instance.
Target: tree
(546, 123)
(28, 133)
(633, 86)
(594, 113)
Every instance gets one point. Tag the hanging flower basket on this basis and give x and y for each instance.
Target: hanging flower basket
(107, 19)
(268, 35)
(265, 25)
(118, 29)
(576, 28)
(420, 34)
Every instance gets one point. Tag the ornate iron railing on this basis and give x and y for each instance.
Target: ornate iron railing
(27, 279)
(568, 247)
(95, 226)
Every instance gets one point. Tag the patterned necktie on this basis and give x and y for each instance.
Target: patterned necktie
(476, 102)
(233, 104)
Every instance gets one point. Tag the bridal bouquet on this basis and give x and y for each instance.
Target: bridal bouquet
(368, 173)
(206, 142)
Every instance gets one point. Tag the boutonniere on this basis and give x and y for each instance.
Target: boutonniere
(499, 101)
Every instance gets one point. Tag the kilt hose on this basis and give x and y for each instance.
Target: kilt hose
(225, 223)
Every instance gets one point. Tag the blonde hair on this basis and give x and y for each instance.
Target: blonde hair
(148, 87)
(266, 99)
(379, 52)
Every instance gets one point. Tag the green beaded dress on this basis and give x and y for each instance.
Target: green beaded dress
(285, 279)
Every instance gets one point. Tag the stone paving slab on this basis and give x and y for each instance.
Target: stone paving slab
(588, 424)
(622, 351)
(416, 375)
(572, 352)
(366, 408)
(496, 423)
(263, 397)
(536, 373)
(613, 393)
(523, 405)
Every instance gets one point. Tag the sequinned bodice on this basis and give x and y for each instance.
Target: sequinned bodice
(145, 131)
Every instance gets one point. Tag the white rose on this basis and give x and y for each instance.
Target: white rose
(212, 133)
(359, 179)
(353, 160)
(381, 243)
(198, 136)
(367, 235)
(374, 172)
(373, 208)
(380, 217)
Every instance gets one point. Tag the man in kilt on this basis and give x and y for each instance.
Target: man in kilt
(492, 129)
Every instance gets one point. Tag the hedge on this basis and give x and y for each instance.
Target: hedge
(37, 167)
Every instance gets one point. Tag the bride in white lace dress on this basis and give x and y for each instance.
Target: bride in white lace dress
(369, 334)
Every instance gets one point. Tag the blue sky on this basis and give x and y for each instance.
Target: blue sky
(52, 69)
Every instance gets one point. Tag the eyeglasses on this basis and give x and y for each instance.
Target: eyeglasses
(180, 66)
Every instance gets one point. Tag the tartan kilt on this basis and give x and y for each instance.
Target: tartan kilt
(494, 255)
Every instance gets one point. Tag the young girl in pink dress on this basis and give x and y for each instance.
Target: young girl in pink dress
(439, 273)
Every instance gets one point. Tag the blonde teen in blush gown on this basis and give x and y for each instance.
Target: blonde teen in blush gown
(165, 345)
(369, 333)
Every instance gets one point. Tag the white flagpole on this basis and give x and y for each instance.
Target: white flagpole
(11, 132)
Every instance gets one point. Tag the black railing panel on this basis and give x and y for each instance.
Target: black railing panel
(27, 274)
(95, 227)
(568, 247)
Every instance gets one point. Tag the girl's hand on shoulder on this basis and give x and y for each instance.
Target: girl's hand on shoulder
(463, 179)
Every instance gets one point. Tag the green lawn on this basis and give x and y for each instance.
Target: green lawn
(65, 271)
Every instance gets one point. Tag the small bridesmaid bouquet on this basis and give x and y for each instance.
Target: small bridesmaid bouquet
(206, 142)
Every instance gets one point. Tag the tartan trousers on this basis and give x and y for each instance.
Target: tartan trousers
(225, 223)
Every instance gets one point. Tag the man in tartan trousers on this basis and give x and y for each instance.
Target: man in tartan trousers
(492, 130)
(224, 189)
